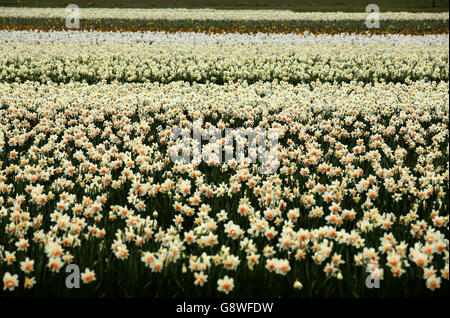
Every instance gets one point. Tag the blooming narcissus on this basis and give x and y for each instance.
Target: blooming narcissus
(27, 265)
(88, 276)
(29, 282)
(10, 282)
(225, 284)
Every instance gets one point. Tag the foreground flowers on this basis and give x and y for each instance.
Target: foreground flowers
(361, 190)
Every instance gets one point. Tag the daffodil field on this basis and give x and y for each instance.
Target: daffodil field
(357, 204)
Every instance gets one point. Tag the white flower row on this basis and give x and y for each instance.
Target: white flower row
(238, 100)
(64, 62)
(186, 14)
(227, 38)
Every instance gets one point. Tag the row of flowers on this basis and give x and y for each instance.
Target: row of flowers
(195, 14)
(362, 184)
(220, 63)
(231, 26)
(227, 38)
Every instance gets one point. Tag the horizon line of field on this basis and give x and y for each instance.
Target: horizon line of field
(296, 5)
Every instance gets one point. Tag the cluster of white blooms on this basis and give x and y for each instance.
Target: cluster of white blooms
(150, 37)
(219, 63)
(211, 14)
(363, 181)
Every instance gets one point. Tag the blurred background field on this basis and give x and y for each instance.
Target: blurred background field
(317, 5)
